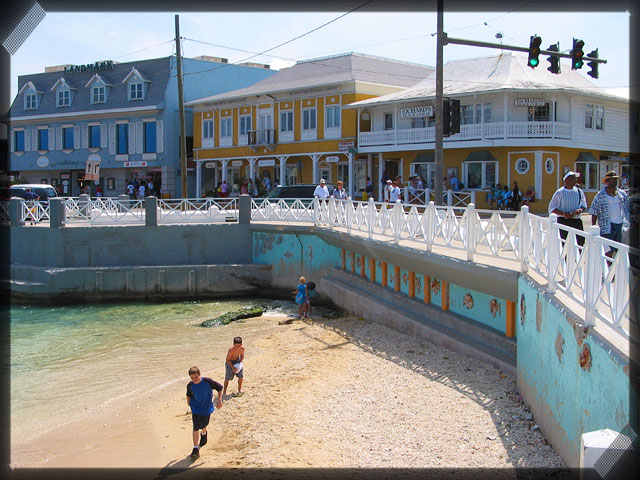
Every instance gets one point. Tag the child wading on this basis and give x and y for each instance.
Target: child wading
(301, 296)
(200, 399)
(233, 366)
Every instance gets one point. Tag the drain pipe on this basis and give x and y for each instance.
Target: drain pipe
(301, 254)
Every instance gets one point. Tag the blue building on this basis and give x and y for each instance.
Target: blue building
(122, 115)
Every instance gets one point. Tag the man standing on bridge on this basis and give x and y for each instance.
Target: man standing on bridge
(321, 191)
(568, 203)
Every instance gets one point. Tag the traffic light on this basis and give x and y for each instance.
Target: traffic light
(554, 60)
(450, 117)
(534, 51)
(593, 65)
(577, 54)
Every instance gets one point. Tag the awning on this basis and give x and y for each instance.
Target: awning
(481, 156)
(425, 157)
(586, 157)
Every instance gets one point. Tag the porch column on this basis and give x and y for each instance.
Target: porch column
(351, 179)
(283, 162)
(380, 170)
(198, 179)
(370, 167)
(505, 120)
(553, 117)
(225, 161)
(252, 169)
(314, 158)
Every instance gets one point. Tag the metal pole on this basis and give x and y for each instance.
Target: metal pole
(439, 112)
(183, 140)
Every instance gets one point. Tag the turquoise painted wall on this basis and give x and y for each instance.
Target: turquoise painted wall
(576, 399)
(478, 306)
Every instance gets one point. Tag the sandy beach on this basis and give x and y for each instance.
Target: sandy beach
(318, 393)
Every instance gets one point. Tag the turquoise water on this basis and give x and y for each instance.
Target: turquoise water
(73, 361)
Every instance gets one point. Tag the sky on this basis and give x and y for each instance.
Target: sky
(81, 38)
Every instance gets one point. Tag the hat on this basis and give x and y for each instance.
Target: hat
(569, 174)
(608, 175)
(389, 181)
(322, 180)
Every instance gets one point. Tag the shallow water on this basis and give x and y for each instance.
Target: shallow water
(73, 361)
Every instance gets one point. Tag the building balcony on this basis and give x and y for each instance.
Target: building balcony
(261, 138)
(486, 131)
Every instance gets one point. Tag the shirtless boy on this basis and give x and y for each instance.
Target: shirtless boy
(233, 366)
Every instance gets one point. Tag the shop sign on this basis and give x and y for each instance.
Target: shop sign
(42, 162)
(90, 67)
(64, 175)
(135, 164)
(92, 169)
(530, 102)
(617, 159)
(267, 163)
(210, 165)
(332, 159)
(345, 146)
(236, 163)
(417, 112)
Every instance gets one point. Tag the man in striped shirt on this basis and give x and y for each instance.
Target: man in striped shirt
(568, 203)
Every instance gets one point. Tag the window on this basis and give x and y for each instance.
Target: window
(94, 136)
(426, 170)
(588, 175)
(480, 174)
(245, 124)
(30, 101)
(286, 121)
(388, 121)
(333, 116)
(98, 94)
(225, 127)
(466, 114)
(64, 98)
(43, 139)
(420, 122)
(549, 165)
(522, 166)
(478, 113)
(539, 114)
(18, 141)
(343, 174)
(149, 137)
(135, 91)
(588, 116)
(122, 138)
(207, 129)
(309, 119)
(67, 138)
(599, 111)
(487, 113)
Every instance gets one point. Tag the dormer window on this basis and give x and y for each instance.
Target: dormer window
(64, 98)
(30, 101)
(135, 91)
(98, 95)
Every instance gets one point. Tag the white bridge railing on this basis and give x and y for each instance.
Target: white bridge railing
(197, 210)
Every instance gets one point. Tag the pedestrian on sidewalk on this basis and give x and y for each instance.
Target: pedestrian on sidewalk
(568, 202)
(200, 400)
(611, 210)
(321, 191)
(234, 366)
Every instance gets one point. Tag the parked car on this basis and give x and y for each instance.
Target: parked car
(301, 190)
(45, 192)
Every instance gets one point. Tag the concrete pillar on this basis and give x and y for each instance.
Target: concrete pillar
(57, 212)
(244, 209)
(84, 205)
(315, 159)
(283, 162)
(198, 179)
(151, 212)
(15, 212)
(224, 169)
(252, 171)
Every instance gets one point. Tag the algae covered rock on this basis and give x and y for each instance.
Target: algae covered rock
(227, 318)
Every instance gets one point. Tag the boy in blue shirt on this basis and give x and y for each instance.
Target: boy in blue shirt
(200, 399)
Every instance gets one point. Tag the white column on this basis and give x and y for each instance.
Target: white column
(351, 179)
(314, 158)
(505, 116)
(198, 179)
(283, 162)
(553, 117)
(252, 169)
(225, 161)
(380, 169)
(369, 165)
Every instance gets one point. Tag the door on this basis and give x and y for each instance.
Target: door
(325, 172)
(391, 168)
(264, 126)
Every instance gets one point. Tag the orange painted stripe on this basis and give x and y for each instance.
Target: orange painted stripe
(445, 296)
(396, 284)
(427, 289)
(384, 274)
(353, 262)
(372, 269)
(344, 259)
(511, 319)
(412, 284)
(363, 270)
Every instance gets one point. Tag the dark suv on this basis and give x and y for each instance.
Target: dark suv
(302, 190)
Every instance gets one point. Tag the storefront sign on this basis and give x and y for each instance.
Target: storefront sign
(345, 146)
(332, 159)
(210, 165)
(530, 102)
(417, 112)
(42, 162)
(90, 67)
(64, 175)
(267, 163)
(236, 163)
(617, 159)
(92, 169)
(135, 164)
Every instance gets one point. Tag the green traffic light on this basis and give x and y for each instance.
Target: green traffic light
(534, 62)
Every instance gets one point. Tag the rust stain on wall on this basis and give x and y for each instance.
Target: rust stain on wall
(418, 285)
(559, 344)
(288, 254)
(523, 309)
(538, 313)
(310, 252)
(435, 286)
(585, 357)
(405, 278)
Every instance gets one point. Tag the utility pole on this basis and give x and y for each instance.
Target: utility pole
(183, 139)
(439, 110)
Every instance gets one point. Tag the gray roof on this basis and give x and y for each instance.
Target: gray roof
(507, 71)
(333, 70)
(156, 71)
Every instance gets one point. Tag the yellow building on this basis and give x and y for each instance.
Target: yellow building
(292, 127)
(517, 124)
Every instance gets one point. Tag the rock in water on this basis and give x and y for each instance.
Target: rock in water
(227, 318)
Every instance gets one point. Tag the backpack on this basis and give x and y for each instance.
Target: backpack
(311, 285)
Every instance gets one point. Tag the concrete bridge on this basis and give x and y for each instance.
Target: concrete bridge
(499, 286)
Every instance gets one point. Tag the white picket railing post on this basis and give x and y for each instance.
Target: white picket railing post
(524, 238)
(398, 213)
(372, 216)
(473, 197)
(449, 198)
(332, 211)
(316, 208)
(406, 194)
(349, 213)
(553, 252)
(593, 274)
(471, 231)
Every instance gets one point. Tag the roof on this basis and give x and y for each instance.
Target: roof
(507, 71)
(333, 70)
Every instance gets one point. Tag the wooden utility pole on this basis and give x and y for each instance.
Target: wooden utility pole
(439, 160)
(183, 139)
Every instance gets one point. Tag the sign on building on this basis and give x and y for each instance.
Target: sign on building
(135, 164)
(530, 102)
(266, 163)
(345, 146)
(236, 163)
(417, 112)
(332, 159)
(92, 169)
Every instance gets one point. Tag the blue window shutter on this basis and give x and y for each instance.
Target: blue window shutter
(11, 140)
(58, 138)
(103, 136)
(112, 139)
(76, 138)
(27, 141)
(34, 138)
(159, 137)
(131, 148)
(85, 136)
(139, 137)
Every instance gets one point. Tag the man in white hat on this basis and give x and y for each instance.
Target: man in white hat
(611, 209)
(321, 190)
(568, 203)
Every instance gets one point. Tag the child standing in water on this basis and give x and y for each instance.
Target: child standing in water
(311, 294)
(233, 366)
(301, 296)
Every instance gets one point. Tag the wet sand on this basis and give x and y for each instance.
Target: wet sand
(320, 393)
